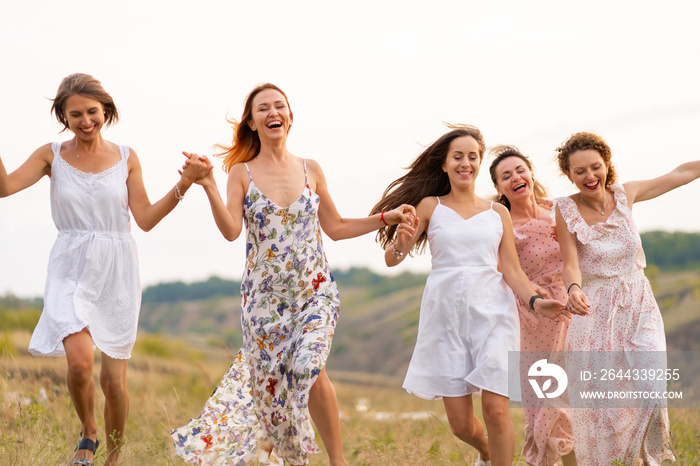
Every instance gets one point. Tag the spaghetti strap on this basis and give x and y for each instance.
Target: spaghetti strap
(248, 170)
(306, 178)
(491, 206)
(438, 199)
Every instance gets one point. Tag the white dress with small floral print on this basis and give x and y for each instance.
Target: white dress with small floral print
(259, 413)
(623, 317)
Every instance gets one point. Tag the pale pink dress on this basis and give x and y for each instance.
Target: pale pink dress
(623, 316)
(548, 433)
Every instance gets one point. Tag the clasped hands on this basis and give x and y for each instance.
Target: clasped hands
(196, 168)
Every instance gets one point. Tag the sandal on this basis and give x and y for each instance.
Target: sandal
(85, 444)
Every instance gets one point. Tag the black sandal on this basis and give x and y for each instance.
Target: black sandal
(86, 444)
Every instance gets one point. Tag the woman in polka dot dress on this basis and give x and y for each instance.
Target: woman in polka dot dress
(548, 435)
(604, 273)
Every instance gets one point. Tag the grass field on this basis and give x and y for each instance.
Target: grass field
(169, 382)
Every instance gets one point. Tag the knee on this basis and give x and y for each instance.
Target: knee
(496, 416)
(464, 429)
(113, 387)
(80, 369)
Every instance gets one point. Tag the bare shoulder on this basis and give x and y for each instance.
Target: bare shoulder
(425, 208)
(500, 209)
(238, 174)
(132, 160)
(131, 150)
(44, 154)
(313, 167)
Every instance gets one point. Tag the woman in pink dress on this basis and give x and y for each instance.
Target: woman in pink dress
(604, 273)
(548, 433)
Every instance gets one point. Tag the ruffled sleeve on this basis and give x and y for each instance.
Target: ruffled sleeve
(574, 222)
(620, 195)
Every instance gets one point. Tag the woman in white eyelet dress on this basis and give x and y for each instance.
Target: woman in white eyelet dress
(92, 296)
(261, 411)
(604, 273)
(93, 276)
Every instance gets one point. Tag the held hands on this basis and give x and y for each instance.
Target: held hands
(404, 233)
(578, 301)
(403, 214)
(552, 309)
(196, 168)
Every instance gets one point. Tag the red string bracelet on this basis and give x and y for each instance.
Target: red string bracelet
(381, 217)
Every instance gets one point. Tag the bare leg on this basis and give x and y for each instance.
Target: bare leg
(323, 406)
(500, 428)
(81, 360)
(465, 426)
(113, 382)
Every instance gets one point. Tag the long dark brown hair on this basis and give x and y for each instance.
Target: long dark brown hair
(246, 142)
(503, 152)
(425, 178)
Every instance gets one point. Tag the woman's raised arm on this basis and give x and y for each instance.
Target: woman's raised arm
(32, 170)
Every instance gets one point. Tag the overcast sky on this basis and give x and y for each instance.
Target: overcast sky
(369, 82)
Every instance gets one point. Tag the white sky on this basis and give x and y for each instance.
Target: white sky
(369, 83)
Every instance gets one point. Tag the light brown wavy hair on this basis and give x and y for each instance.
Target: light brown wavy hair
(502, 152)
(586, 141)
(246, 142)
(425, 178)
(85, 85)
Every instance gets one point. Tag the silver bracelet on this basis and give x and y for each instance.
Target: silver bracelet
(178, 196)
(397, 253)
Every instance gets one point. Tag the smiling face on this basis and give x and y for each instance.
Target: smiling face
(462, 161)
(588, 171)
(85, 116)
(271, 117)
(514, 179)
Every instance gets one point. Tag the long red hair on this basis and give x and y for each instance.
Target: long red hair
(246, 142)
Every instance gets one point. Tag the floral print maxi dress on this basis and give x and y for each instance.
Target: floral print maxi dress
(259, 411)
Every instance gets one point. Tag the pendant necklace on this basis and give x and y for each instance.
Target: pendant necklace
(602, 209)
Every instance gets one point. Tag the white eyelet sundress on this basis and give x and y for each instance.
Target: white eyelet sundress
(93, 274)
(258, 413)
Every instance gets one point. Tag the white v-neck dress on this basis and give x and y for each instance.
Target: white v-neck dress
(468, 316)
(93, 276)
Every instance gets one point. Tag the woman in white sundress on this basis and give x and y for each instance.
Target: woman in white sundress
(93, 295)
(259, 413)
(604, 274)
(468, 317)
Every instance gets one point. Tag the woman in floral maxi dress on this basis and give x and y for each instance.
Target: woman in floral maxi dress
(260, 410)
(604, 272)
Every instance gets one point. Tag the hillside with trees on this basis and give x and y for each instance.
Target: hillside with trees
(379, 313)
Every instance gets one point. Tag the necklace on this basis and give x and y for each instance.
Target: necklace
(602, 209)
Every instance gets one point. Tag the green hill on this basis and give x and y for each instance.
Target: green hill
(379, 314)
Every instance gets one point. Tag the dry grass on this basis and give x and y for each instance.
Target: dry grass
(38, 424)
